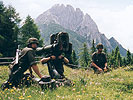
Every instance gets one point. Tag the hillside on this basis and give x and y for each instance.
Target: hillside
(52, 28)
(115, 85)
(114, 43)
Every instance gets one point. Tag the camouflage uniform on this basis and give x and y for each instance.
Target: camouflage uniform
(26, 60)
(99, 59)
(58, 65)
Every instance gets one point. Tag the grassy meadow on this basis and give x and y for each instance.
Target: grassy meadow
(114, 85)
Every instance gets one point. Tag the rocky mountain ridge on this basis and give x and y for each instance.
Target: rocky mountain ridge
(75, 20)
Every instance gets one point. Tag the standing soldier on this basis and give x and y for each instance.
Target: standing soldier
(99, 61)
(26, 61)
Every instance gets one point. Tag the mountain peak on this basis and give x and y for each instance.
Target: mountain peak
(58, 5)
(69, 6)
(75, 20)
(115, 43)
(112, 39)
(61, 7)
(69, 18)
(78, 10)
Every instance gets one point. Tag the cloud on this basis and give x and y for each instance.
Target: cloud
(115, 23)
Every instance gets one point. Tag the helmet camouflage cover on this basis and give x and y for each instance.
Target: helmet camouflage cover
(32, 40)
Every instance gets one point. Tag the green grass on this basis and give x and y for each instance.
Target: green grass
(114, 85)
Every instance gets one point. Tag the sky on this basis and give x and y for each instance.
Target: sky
(114, 18)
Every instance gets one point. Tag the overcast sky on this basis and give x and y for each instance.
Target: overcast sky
(113, 17)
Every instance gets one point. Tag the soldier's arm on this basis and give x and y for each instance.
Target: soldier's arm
(44, 60)
(66, 60)
(36, 70)
(106, 64)
(105, 68)
(63, 58)
(94, 65)
(33, 63)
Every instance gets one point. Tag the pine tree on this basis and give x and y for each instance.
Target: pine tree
(119, 59)
(74, 58)
(116, 52)
(28, 30)
(115, 58)
(93, 48)
(128, 57)
(105, 51)
(111, 58)
(9, 29)
(84, 56)
(1, 28)
(132, 60)
(116, 63)
(124, 63)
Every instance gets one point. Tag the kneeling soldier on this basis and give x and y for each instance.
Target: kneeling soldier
(57, 64)
(26, 61)
(99, 61)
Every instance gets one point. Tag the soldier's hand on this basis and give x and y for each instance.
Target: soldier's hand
(52, 57)
(105, 69)
(44, 60)
(100, 69)
(61, 57)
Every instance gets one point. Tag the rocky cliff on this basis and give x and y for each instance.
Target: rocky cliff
(75, 20)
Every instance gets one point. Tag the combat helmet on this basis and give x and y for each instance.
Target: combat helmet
(99, 45)
(32, 40)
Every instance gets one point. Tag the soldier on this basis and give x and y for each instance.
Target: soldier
(99, 61)
(57, 62)
(59, 45)
(26, 61)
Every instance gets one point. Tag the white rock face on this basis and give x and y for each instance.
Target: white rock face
(69, 18)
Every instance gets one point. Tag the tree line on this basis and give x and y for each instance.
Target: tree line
(114, 58)
(14, 32)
